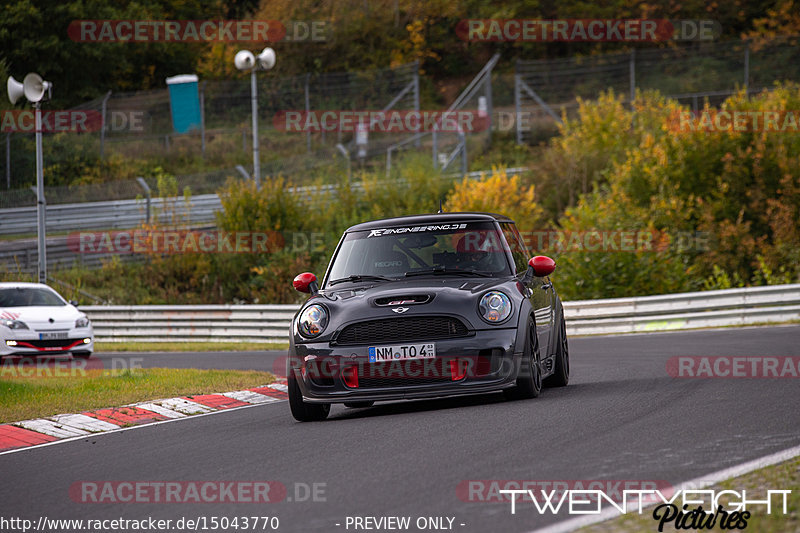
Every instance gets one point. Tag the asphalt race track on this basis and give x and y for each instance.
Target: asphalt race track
(621, 418)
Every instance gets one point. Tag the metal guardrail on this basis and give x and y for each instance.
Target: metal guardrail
(126, 214)
(192, 323)
(270, 323)
(690, 310)
(118, 214)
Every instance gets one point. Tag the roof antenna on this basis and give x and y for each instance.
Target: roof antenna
(440, 207)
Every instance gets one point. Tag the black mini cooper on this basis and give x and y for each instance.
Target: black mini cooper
(426, 306)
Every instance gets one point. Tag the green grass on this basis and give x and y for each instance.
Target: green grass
(106, 347)
(783, 476)
(75, 389)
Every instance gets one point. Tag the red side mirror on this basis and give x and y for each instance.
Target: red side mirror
(306, 282)
(542, 265)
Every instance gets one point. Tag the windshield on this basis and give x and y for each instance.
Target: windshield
(441, 249)
(29, 296)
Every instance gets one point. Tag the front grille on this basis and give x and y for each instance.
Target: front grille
(421, 328)
(403, 373)
(50, 343)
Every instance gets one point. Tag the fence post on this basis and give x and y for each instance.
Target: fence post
(489, 105)
(435, 155)
(203, 118)
(103, 125)
(464, 167)
(632, 71)
(418, 142)
(308, 110)
(146, 187)
(747, 69)
(517, 103)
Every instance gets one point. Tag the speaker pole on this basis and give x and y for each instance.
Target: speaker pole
(40, 201)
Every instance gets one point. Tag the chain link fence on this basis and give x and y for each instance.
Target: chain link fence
(546, 89)
(139, 124)
(526, 101)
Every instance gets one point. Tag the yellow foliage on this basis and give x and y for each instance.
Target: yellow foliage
(500, 194)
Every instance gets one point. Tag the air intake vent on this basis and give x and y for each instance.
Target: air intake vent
(411, 299)
(387, 330)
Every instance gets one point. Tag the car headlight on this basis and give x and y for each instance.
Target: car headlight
(495, 307)
(82, 322)
(312, 321)
(15, 324)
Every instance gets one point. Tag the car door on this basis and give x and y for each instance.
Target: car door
(539, 290)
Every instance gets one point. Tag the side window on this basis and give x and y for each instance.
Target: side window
(518, 250)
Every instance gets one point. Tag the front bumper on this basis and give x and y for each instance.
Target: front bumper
(483, 362)
(29, 343)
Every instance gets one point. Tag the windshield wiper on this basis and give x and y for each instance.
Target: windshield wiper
(443, 270)
(360, 277)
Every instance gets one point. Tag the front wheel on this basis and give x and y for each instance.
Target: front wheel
(81, 355)
(529, 379)
(302, 411)
(560, 375)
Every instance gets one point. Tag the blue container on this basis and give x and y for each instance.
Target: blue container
(184, 103)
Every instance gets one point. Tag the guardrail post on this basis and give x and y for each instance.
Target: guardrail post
(8, 160)
(146, 188)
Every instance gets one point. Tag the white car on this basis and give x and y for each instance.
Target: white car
(36, 320)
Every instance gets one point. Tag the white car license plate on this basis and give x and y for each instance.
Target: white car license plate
(401, 352)
(53, 335)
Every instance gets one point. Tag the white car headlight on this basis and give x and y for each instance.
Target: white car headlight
(82, 322)
(312, 321)
(495, 307)
(15, 324)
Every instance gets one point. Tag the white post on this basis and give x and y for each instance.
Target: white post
(254, 101)
(40, 202)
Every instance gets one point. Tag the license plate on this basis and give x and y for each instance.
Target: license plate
(401, 352)
(53, 335)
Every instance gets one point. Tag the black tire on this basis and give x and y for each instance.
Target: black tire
(529, 379)
(81, 355)
(358, 405)
(560, 376)
(302, 411)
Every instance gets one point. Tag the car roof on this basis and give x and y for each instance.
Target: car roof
(22, 284)
(433, 218)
